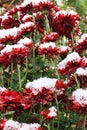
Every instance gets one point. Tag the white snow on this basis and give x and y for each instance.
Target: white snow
(64, 48)
(47, 45)
(24, 41)
(80, 96)
(37, 85)
(83, 37)
(9, 48)
(33, 126)
(65, 12)
(8, 32)
(81, 71)
(14, 125)
(53, 112)
(74, 56)
(34, 2)
(2, 89)
(27, 24)
(11, 125)
(26, 16)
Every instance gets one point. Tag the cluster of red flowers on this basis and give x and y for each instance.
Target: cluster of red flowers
(69, 64)
(14, 125)
(42, 91)
(65, 22)
(78, 100)
(15, 33)
(50, 30)
(15, 54)
(81, 74)
(9, 100)
(50, 113)
(81, 45)
(49, 49)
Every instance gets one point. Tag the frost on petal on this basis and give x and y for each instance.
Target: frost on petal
(37, 85)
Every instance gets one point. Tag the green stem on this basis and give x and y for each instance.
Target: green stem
(19, 76)
(23, 79)
(11, 82)
(2, 79)
(77, 82)
(58, 113)
(34, 60)
(84, 123)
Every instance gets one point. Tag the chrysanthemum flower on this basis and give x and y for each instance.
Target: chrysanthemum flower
(9, 22)
(82, 76)
(38, 4)
(60, 84)
(9, 100)
(63, 51)
(50, 113)
(48, 48)
(69, 64)
(83, 62)
(14, 34)
(51, 37)
(78, 100)
(14, 125)
(64, 22)
(26, 42)
(26, 18)
(40, 21)
(14, 54)
(40, 91)
(81, 44)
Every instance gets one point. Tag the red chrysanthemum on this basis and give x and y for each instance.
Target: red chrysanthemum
(15, 54)
(48, 48)
(50, 113)
(81, 45)
(78, 101)
(69, 64)
(64, 22)
(51, 37)
(10, 101)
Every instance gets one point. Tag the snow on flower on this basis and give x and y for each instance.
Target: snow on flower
(70, 63)
(16, 32)
(2, 89)
(9, 22)
(50, 113)
(81, 44)
(34, 2)
(64, 22)
(82, 76)
(48, 48)
(15, 125)
(9, 100)
(63, 50)
(81, 72)
(26, 18)
(26, 42)
(41, 91)
(37, 85)
(14, 53)
(51, 37)
(78, 100)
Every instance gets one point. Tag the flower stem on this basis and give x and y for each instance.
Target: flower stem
(11, 82)
(23, 79)
(84, 123)
(1, 75)
(19, 77)
(77, 82)
(58, 111)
